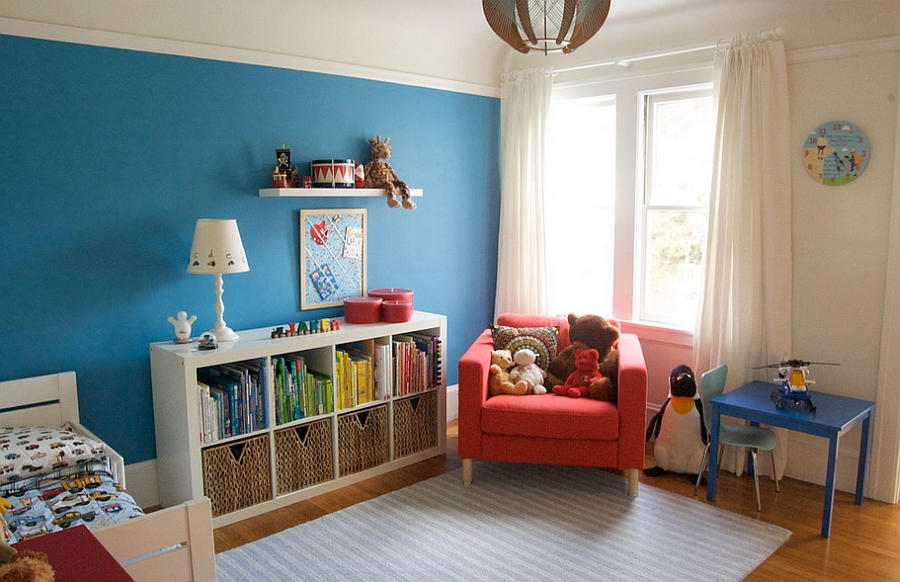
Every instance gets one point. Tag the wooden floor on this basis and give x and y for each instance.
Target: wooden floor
(864, 542)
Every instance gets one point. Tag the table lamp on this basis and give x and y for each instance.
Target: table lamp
(216, 250)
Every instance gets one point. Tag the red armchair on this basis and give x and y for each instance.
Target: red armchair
(551, 429)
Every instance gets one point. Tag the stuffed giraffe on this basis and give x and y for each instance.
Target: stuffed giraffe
(380, 174)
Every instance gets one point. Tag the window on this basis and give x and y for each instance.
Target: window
(629, 174)
(679, 130)
(579, 203)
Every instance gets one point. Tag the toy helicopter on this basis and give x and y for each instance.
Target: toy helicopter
(794, 378)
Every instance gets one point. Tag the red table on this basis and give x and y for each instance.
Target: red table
(77, 555)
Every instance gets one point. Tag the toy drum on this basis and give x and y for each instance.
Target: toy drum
(333, 173)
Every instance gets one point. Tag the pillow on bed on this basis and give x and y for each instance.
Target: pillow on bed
(38, 450)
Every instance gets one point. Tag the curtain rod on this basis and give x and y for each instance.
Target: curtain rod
(626, 62)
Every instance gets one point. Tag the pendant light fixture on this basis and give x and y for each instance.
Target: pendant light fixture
(545, 25)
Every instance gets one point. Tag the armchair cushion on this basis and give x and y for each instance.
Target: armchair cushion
(552, 417)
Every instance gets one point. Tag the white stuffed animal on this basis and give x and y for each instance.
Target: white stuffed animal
(525, 369)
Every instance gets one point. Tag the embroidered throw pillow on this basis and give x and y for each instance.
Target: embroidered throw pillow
(541, 340)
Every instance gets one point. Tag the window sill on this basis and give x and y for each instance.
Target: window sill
(659, 333)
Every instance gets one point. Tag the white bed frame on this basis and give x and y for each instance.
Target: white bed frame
(177, 541)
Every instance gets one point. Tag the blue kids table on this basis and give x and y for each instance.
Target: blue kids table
(833, 417)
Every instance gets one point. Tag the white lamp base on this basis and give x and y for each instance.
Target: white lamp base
(224, 334)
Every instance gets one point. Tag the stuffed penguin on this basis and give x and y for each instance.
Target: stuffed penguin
(678, 427)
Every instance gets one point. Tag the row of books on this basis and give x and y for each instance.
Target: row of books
(355, 374)
(232, 396)
(416, 363)
(300, 392)
(232, 399)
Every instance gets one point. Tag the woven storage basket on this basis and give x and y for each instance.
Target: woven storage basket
(237, 475)
(362, 439)
(415, 424)
(304, 456)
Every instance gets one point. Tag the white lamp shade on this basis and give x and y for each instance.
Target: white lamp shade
(217, 248)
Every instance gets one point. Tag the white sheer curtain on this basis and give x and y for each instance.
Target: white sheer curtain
(745, 314)
(521, 262)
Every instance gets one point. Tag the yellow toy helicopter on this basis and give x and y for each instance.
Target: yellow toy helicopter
(795, 383)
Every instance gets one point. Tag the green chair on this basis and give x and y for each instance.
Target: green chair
(754, 438)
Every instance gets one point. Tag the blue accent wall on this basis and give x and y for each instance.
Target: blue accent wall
(110, 156)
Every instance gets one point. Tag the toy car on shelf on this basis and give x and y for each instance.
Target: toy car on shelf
(793, 376)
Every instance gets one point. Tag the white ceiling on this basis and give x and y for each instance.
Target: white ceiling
(449, 39)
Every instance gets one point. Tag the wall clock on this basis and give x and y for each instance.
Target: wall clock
(836, 153)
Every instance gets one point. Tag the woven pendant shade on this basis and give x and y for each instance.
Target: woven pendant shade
(545, 25)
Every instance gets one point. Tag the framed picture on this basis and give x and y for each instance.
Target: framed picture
(332, 256)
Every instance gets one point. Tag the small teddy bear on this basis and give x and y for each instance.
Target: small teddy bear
(526, 370)
(586, 372)
(24, 566)
(499, 379)
(380, 174)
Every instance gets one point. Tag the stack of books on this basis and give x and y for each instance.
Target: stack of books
(355, 374)
(416, 363)
(232, 400)
(300, 392)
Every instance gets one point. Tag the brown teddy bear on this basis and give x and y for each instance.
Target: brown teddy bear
(24, 566)
(585, 375)
(589, 331)
(499, 381)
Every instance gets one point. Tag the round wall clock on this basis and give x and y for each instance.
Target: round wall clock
(836, 153)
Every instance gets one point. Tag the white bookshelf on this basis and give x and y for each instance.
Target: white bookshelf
(181, 454)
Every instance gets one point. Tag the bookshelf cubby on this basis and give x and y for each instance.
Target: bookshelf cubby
(293, 429)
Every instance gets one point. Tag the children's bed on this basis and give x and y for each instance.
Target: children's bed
(55, 473)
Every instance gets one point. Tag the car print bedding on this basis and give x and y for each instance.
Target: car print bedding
(52, 478)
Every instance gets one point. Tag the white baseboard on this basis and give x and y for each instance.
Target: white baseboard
(452, 402)
(142, 483)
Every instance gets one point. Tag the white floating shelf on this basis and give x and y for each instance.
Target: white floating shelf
(330, 192)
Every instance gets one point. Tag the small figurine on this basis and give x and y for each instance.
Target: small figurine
(207, 342)
(283, 159)
(182, 327)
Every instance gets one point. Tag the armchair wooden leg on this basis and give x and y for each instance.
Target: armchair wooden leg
(467, 471)
(633, 480)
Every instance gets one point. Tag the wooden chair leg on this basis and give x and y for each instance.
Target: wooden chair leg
(467, 471)
(633, 476)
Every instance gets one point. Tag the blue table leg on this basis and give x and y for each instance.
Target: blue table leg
(829, 485)
(863, 458)
(713, 456)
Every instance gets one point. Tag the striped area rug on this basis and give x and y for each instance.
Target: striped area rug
(514, 523)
